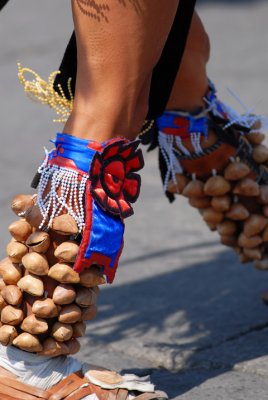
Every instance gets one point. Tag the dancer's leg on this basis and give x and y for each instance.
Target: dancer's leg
(117, 47)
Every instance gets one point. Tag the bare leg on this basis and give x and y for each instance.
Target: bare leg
(118, 45)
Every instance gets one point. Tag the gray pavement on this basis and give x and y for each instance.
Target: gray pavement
(182, 308)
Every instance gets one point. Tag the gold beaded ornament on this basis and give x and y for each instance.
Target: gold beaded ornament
(43, 92)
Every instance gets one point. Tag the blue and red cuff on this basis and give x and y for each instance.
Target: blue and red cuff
(96, 184)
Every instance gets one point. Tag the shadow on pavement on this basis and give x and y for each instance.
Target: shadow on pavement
(186, 311)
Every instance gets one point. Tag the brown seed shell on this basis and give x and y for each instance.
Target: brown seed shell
(7, 334)
(244, 259)
(73, 346)
(70, 314)
(194, 188)
(22, 202)
(263, 197)
(253, 254)
(227, 228)
(179, 185)
(200, 202)
(34, 216)
(3, 304)
(2, 283)
(221, 203)
(28, 342)
(67, 252)
(62, 332)
(255, 137)
(255, 224)
(265, 235)
(216, 186)
(260, 153)
(79, 329)
(229, 240)
(237, 212)
(92, 277)
(64, 294)
(36, 263)
(53, 348)
(212, 216)
(64, 225)
(31, 284)
(236, 171)
(34, 325)
(45, 308)
(63, 273)
(20, 230)
(11, 273)
(85, 297)
(38, 241)
(16, 250)
(88, 313)
(12, 295)
(247, 187)
(11, 315)
(249, 242)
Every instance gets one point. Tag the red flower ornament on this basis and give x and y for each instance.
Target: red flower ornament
(114, 181)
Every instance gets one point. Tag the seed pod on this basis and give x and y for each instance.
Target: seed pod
(7, 334)
(36, 263)
(244, 259)
(11, 273)
(45, 308)
(85, 297)
(236, 171)
(38, 241)
(70, 314)
(249, 242)
(253, 254)
(221, 203)
(255, 137)
(34, 216)
(15, 251)
(247, 187)
(194, 188)
(260, 153)
(11, 315)
(2, 283)
(53, 348)
(179, 185)
(227, 228)
(73, 346)
(265, 235)
(263, 197)
(92, 277)
(255, 224)
(3, 304)
(65, 225)
(212, 227)
(262, 264)
(213, 217)
(27, 342)
(67, 252)
(34, 325)
(31, 284)
(265, 211)
(20, 230)
(22, 202)
(237, 212)
(64, 294)
(12, 295)
(228, 240)
(200, 202)
(63, 273)
(79, 329)
(88, 313)
(216, 186)
(62, 332)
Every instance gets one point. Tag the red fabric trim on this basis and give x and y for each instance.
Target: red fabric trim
(66, 163)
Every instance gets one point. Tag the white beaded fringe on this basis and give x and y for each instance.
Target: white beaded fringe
(66, 192)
